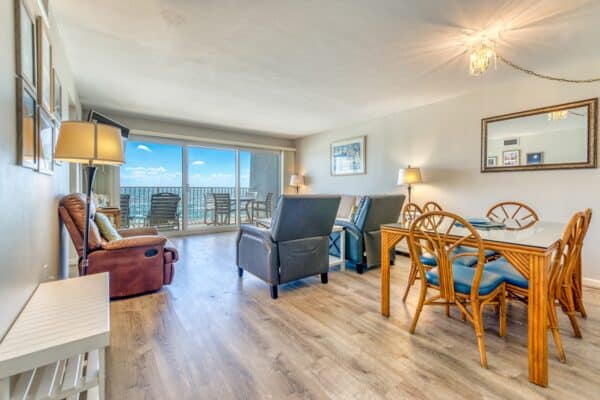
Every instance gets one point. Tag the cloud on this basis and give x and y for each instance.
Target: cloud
(145, 171)
(144, 148)
(198, 162)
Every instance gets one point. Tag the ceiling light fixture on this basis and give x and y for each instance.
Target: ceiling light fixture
(481, 49)
(558, 115)
(480, 56)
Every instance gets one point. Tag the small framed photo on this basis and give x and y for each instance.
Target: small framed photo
(511, 158)
(348, 156)
(535, 158)
(492, 161)
(57, 94)
(45, 142)
(26, 40)
(44, 66)
(27, 120)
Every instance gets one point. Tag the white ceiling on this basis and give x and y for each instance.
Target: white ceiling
(296, 67)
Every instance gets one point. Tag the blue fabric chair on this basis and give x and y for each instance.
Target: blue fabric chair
(363, 235)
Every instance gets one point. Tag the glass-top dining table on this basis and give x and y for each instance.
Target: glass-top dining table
(530, 250)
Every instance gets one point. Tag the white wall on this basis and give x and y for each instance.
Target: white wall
(444, 140)
(29, 229)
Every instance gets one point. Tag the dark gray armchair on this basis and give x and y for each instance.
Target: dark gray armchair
(296, 245)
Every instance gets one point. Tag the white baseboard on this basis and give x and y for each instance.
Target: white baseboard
(591, 283)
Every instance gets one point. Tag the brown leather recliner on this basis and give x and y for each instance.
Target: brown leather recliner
(142, 261)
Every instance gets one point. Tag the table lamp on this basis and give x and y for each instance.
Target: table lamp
(409, 176)
(91, 144)
(297, 181)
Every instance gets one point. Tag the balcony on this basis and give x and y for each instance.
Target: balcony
(136, 210)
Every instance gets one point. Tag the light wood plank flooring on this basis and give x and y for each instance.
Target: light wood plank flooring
(211, 335)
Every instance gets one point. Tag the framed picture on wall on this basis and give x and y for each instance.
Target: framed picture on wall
(27, 125)
(57, 94)
(535, 158)
(348, 156)
(44, 66)
(492, 161)
(25, 42)
(45, 142)
(511, 158)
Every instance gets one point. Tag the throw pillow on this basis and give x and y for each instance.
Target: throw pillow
(107, 229)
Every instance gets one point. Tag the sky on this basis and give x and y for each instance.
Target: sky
(157, 164)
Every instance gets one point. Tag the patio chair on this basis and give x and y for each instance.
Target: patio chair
(124, 205)
(164, 211)
(209, 206)
(222, 208)
(265, 206)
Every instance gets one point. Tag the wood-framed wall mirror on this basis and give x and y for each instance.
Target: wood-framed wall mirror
(556, 137)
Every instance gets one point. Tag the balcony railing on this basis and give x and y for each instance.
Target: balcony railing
(140, 199)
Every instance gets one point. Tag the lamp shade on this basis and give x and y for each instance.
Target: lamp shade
(89, 143)
(297, 180)
(408, 176)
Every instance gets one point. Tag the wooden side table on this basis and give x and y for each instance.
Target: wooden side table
(56, 347)
(114, 213)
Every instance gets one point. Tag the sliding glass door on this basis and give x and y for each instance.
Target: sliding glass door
(152, 186)
(187, 187)
(211, 190)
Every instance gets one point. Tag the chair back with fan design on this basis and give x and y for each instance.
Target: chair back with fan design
(410, 213)
(439, 234)
(431, 206)
(515, 215)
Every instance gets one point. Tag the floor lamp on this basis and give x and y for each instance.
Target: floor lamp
(409, 176)
(91, 144)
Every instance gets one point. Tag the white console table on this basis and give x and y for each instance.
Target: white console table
(55, 348)
(341, 260)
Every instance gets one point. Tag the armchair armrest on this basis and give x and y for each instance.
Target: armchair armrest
(135, 241)
(349, 227)
(138, 232)
(256, 231)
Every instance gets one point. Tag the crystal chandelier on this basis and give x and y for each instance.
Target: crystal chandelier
(480, 55)
(481, 48)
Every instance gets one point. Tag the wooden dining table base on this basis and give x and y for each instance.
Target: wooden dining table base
(533, 263)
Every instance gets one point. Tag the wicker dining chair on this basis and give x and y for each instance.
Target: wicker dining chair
(577, 278)
(410, 212)
(469, 289)
(515, 215)
(431, 206)
(560, 282)
(222, 208)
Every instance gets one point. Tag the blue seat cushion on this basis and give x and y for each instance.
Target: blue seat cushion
(508, 272)
(463, 279)
(428, 259)
(468, 261)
